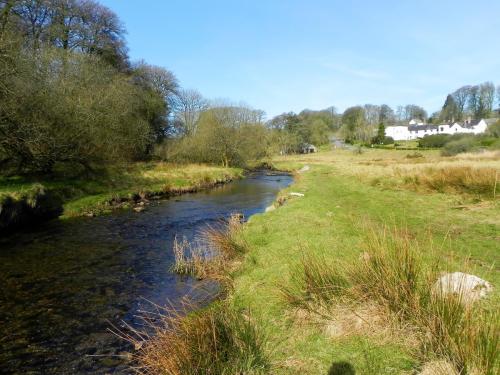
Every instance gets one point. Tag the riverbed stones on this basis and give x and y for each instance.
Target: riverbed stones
(468, 288)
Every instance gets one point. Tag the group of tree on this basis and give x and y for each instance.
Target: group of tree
(290, 132)
(221, 133)
(476, 102)
(68, 93)
(70, 97)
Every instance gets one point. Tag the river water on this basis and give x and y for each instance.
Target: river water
(64, 284)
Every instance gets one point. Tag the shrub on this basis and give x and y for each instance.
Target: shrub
(459, 146)
(434, 141)
(358, 149)
(494, 129)
(414, 155)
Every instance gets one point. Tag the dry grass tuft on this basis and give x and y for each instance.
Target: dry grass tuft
(215, 340)
(481, 181)
(368, 319)
(196, 260)
(226, 238)
(213, 255)
(485, 155)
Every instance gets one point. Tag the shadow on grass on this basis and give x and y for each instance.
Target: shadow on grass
(341, 368)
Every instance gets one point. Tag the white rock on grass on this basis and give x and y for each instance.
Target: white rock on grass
(293, 194)
(270, 208)
(468, 287)
(305, 168)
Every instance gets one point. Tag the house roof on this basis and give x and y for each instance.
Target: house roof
(422, 127)
(469, 124)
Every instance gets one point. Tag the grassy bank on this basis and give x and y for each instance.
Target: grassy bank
(339, 281)
(120, 186)
(349, 200)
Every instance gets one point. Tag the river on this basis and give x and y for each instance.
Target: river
(66, 282)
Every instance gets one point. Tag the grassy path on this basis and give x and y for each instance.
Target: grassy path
(329, 220)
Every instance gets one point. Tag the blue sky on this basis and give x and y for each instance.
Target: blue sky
(283, 55)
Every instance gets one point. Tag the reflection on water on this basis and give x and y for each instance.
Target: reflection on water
(63, 285)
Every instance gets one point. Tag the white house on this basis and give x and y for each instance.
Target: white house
(417, 130)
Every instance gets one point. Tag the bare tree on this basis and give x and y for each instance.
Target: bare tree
(187, 109)
(372, 114)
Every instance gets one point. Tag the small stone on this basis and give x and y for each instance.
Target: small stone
(293, 194)
(139, 209)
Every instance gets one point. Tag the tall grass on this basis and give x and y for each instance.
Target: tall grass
(393, 274)
(480, 181)
(215, 340)
(196, 260)
(226, 237)
(212, 255)
(315, 282)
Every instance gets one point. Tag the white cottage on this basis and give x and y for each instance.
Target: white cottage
(415, 131)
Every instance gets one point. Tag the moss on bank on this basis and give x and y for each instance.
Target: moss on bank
(28, 206)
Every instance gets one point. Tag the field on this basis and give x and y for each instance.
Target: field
(446, 210)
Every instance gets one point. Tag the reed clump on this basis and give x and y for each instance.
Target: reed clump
(212, 341)
(213, 254)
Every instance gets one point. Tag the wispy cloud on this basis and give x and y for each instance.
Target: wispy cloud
(364, 73)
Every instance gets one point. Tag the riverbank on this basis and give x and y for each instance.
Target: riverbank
(337, 278)
(119, 187)
(348, 198)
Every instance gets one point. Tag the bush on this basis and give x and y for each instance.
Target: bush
(64, 107)
(459, 146)
(434, 141)
(494, 129)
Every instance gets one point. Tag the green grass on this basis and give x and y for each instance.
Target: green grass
(328, 222)
(92, 195)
